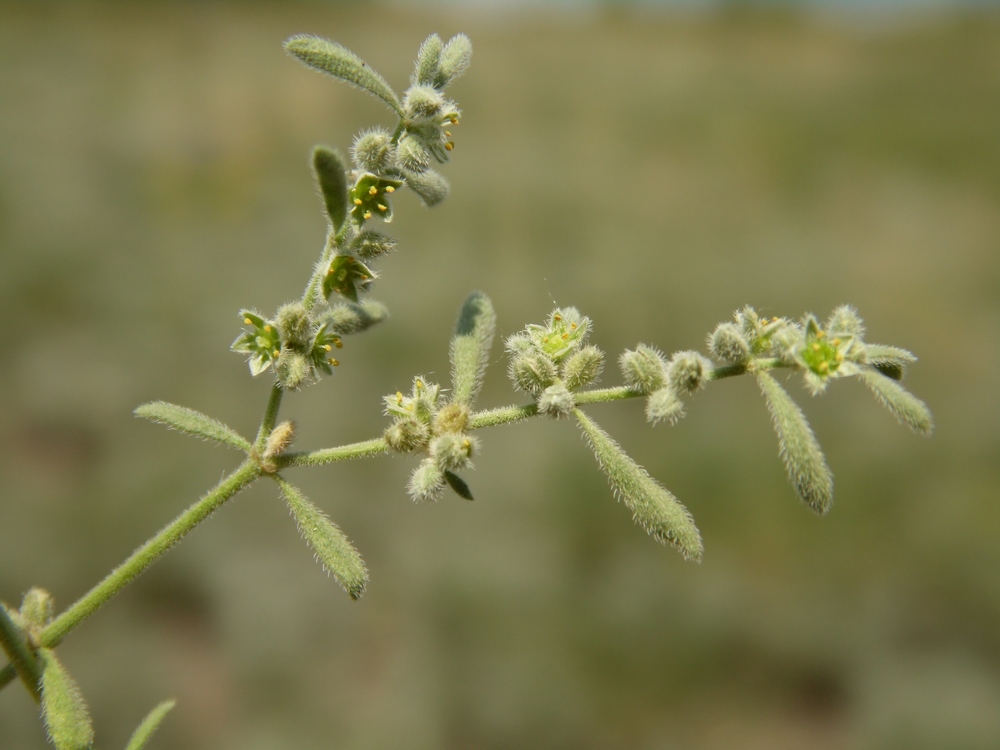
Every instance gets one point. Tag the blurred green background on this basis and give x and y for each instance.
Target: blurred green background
(656, 169)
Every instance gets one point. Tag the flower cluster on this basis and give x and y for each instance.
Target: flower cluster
(422, 423)
(550, 361)
(664, 382)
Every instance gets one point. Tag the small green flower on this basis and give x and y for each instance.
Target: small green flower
(826, 356)
(565, 330)
(262, 342)
(347, 276)
(370, 197)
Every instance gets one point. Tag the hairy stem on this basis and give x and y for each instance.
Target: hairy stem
(312, 292)
(143, 557)
(21, 659)
(270, 416)
(364, 449)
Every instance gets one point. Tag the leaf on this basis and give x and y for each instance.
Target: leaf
(455, 58)
(332, 548)
(149, 725)
(458, 485)
(193, 423)
(903, 405)
(804, 460)
(63, 707)
(470, 347)
(891, 361)
(427, 68)
(652, 505)
(331, 174)
(340, 62)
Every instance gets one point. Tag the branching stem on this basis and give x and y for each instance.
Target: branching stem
(143, 557)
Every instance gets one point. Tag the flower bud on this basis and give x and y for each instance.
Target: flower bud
(36, 608)
(280, 438)
(583, 367)
(687, 371)
(532, 372)
(452, 451)
(370, 244)
(556, 401)
(407, 435)
(411, 154)
(727, 343)
(293, 325)
(664, 404)
(373, 151)
(643, 369)
(426, 482)
(431, 186)
(292, 370)
(452, 418)
(422, 101)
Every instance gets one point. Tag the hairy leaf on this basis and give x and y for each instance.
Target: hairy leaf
(903, 405)
(458, 485)
(332, 548)
(340, 62)
(804, 460)
(331, 174)
(149, 725)
(63, 707)
(470, 347)
(192, 422)
(652, 505)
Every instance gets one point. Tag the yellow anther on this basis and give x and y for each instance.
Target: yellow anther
(835, 342)
(453, 119)
(372, 190)
(367, 214)
(557, 317)
(339, 344)
(382, 208)
(334, 362)
(247, 321)
(390, 189)
(545, 339)
(839, 357)
(824, 366)
(572, 326)
(816, 347)
(467, 444)
(565, 337)
(399, 397)
(448, 133)
(763, 321)
(357, 201)
(449, 146)
(268, 328)
(276, 352)
(327, 347)
(820, 334)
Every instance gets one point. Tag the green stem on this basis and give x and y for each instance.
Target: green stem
(12, 639)
(365, 449)
(312, 292)
(503, 415)
(143, 557)
(7, 675)
(270, 416)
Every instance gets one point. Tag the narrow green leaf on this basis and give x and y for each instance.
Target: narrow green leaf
(427, 68)
(804, 460)
(903, 405)
(455, 58)
(459, 485)
(891, 361)
(470, 347)
(652, 505)
(331, 174)
(340, 62)
(63, 707)
(332, 548)
(149, 725)
(193, 423)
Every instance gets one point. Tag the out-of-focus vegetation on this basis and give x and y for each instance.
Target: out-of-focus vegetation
(154, 179)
